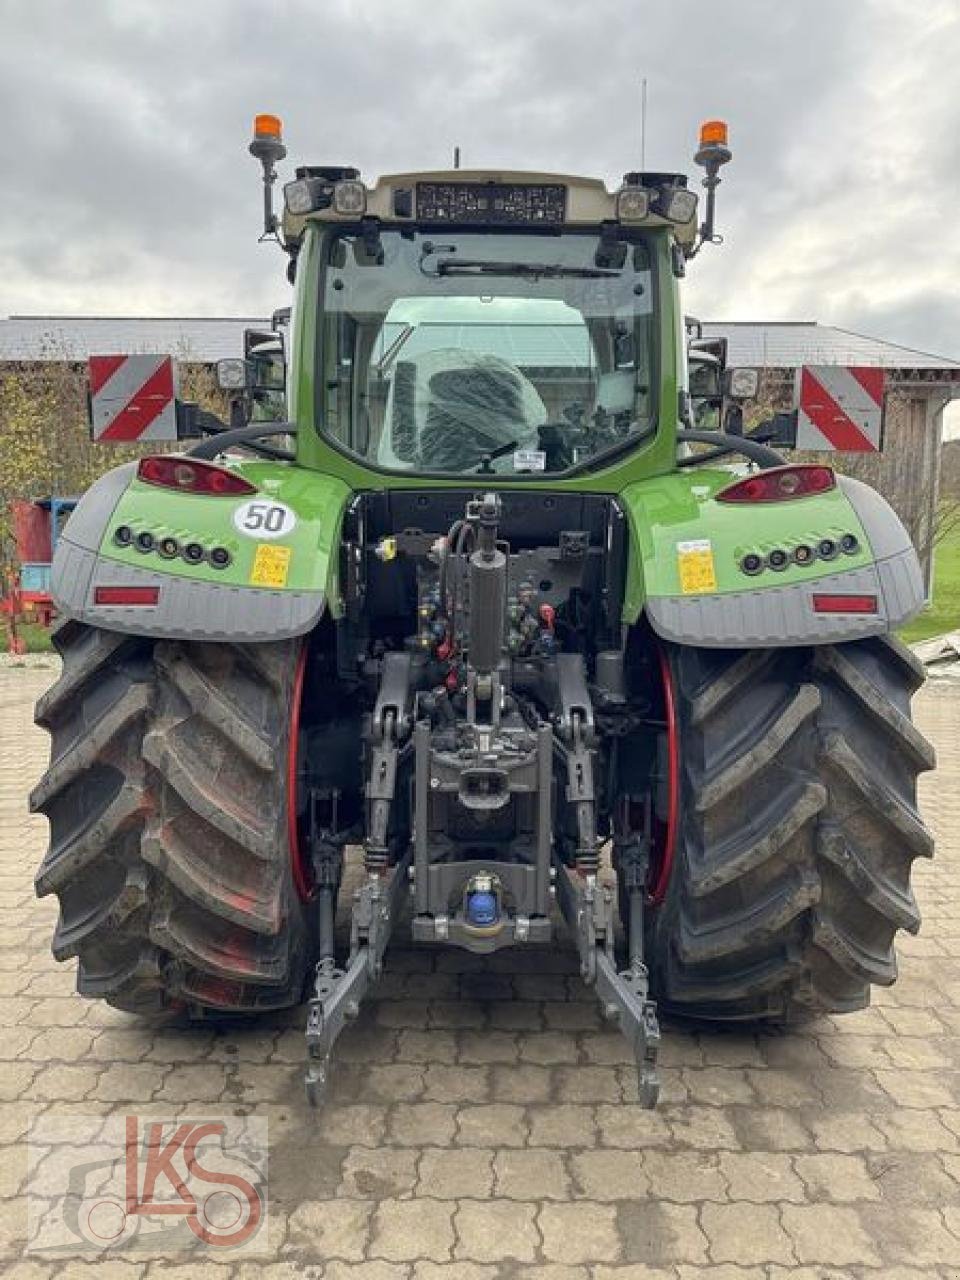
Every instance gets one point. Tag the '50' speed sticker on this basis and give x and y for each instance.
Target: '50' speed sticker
(260, 518)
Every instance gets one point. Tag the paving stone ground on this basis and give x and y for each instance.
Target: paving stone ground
(483, 1123)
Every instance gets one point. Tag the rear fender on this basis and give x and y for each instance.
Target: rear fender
(686, 564)
(277, 582)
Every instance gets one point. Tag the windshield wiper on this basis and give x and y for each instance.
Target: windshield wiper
(526, 270)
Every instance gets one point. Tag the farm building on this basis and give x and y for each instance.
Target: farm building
(36, 339)
(906, 469)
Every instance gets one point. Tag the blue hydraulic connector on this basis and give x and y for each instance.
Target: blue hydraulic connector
(483, 909)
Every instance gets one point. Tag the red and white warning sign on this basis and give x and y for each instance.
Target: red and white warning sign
(840, 407)
(133, 398)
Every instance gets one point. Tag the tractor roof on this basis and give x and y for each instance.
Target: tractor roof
(459, 197)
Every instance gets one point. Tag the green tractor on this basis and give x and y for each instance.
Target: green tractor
(482, 610)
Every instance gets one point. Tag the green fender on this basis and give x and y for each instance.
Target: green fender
(278, 547)
(686, 569)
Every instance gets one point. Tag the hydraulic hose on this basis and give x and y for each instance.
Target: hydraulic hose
(249, 435)
(761, 454)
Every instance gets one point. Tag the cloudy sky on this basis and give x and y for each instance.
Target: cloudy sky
(127, 188)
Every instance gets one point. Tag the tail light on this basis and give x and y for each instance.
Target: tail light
(779, 484)
(824, 602)
(191, 476)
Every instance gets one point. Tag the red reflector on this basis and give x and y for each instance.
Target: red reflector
(126, 595)
(779, 484)
(823, 603)
(191, 476)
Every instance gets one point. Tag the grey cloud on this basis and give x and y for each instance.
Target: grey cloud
(127, 183)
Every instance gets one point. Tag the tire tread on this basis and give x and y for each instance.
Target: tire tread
(166, 798)
(799, 827)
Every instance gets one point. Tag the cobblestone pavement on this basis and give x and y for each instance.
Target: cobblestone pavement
(483, 1123)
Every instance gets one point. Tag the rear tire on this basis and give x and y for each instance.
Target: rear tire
(798, 828)
(166, 796)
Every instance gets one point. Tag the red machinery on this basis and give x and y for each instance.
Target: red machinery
(26, 592)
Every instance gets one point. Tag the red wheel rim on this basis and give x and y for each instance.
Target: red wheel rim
(298, 861)
(663, 852)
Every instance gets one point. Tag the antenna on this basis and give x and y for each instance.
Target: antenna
(456, 157)
(643, 124)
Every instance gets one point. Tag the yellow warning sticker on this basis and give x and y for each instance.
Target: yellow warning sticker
(270, 566)
(695, 563)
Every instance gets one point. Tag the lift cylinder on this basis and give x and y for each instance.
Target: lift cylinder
(488, 582)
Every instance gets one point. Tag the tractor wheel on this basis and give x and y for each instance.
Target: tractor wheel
(797, 828)
(167, 801)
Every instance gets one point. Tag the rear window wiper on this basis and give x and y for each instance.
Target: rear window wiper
(526, 270)
(391, 353)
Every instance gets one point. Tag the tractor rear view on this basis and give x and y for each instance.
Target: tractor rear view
(479, 612)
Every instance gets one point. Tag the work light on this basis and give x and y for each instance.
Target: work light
(231, 374)
(350, 198)
(306, 195)
(676, 204)
(633, 204)
(742, 384)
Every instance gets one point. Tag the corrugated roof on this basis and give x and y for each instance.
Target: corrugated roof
(207, 339)
(195, 338)
(788, 344)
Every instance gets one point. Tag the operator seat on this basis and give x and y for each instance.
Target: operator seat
(472, 411)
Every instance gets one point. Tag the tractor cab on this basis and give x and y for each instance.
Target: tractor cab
(463, 323)
(519, 325)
